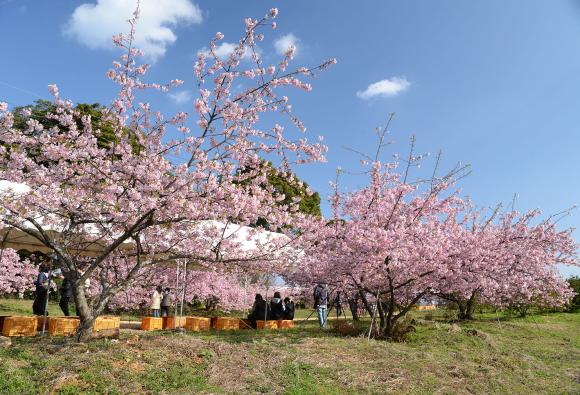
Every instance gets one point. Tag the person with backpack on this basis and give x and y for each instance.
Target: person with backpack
(276, 307)
(289, 308)
(321, 303)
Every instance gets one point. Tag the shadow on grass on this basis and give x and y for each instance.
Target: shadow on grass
(296, 335)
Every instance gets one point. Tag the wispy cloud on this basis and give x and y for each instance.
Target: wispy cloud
(224, 49)
(93, 25)
(180, 97)
(385, 88)
(283, 43)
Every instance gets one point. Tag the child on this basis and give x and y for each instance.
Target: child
(156, 301)
(165, 302)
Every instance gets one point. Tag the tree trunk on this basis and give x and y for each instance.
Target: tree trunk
(467, 307)
(353, 305)
(84, 311)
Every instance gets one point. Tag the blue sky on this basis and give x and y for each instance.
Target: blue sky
(495, 84)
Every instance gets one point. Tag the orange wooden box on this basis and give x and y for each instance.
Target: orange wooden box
(197, 323)
(245, 324)
(226, 323)
(270, 324)
(168, 322)
(19, 326)
(285, 324)
(151, 323)
(63, 326)
(106, 322)
(426, 307)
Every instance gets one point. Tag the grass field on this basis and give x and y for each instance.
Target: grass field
(537, 354)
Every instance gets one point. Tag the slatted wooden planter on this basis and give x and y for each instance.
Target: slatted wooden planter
(106, 323)
(245, 324)
(426, 307)
(63, 326)
(151, 323)
(19, 326)
(285, 324)
(270, 324)
(226, 324)
(168, 322)
(197, 324)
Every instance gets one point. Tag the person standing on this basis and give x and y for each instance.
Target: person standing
(156, 302)
(41, 291)
(276, 307)
(321, 303)
(165, 302)
(66, 294)
(289, 308)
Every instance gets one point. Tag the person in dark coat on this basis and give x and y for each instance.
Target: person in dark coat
(276, 307)
(258, 310)
(289, 309)
(66, 294)
(41, 292)
(165, 302)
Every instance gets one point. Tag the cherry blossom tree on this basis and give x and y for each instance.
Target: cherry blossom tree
(160, 190)
(16, 275)
(396, 241)
(507, 260)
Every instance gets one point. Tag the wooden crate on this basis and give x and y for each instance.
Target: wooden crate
(19, 326)
(168, 322)
(427, 307)
(63, 326)
(270, 324)
(197, 323)
(226, 324)
(151, 323)
(245, 324)
(106, 323)
(285, 324)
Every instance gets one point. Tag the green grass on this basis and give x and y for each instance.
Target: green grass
(495, 353)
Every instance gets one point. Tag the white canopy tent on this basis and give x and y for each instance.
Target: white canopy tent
(245, 239)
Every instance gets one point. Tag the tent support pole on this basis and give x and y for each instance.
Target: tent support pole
(184, 286)
(176, 290)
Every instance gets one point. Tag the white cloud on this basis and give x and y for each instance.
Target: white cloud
(283, 43)
(224, 50)
(385, 88)
(93, 25)
(180, 97)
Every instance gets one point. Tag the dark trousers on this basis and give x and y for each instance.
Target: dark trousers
(164, 311)
(39, 304)
(64, 301)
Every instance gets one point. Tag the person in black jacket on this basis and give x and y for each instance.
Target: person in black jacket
(258, 310)
(289, 309)
(66, 294)
(276, 307)
(41, 293)
(321, 303)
